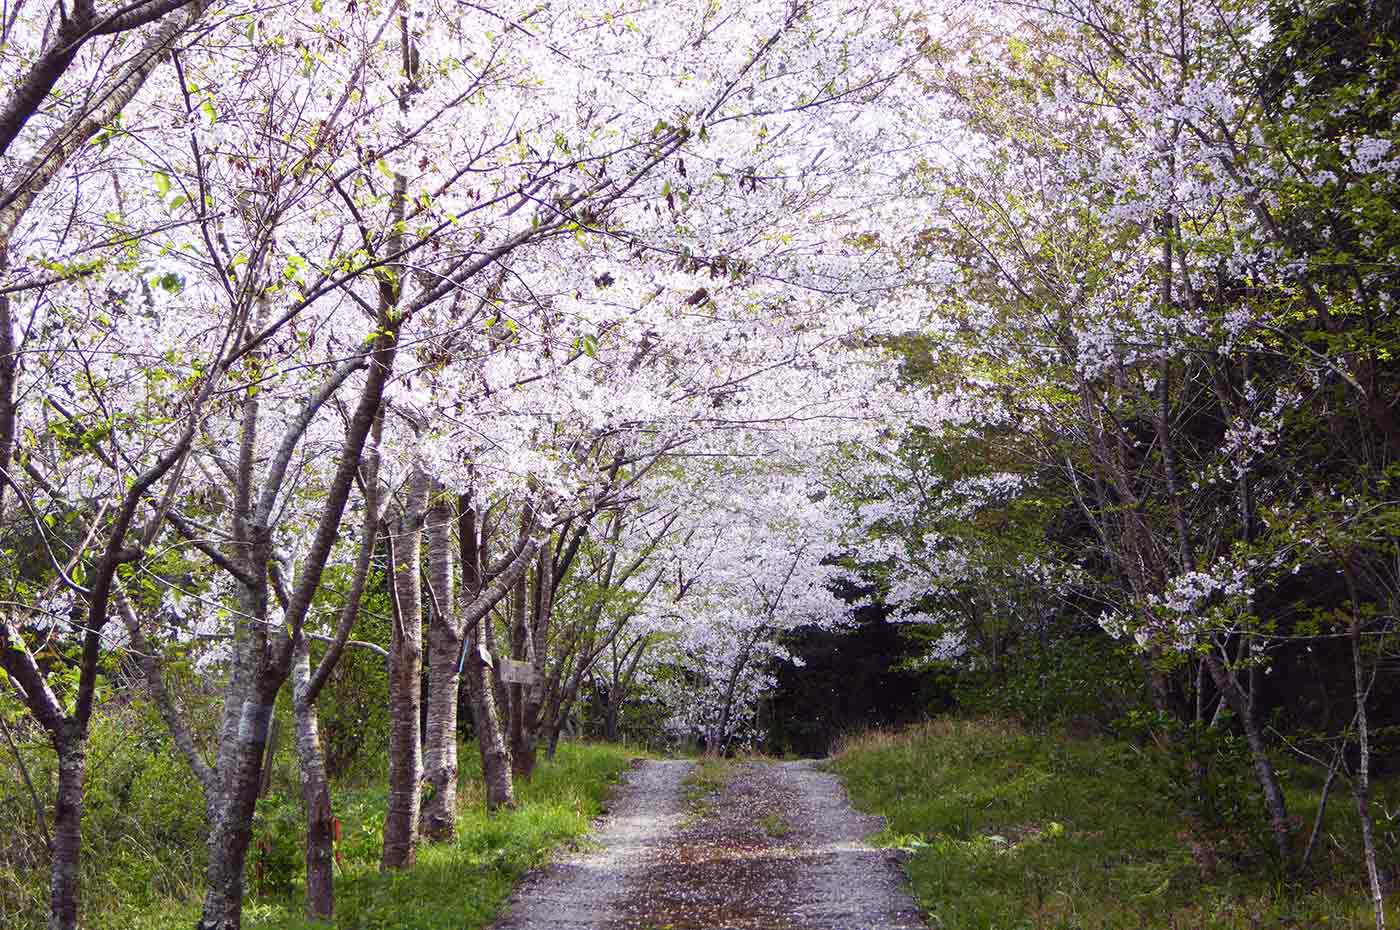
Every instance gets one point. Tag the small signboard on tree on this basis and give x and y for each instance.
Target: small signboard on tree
(518, 673)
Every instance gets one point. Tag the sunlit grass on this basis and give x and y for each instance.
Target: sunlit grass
(460, 885)
(1007, 829)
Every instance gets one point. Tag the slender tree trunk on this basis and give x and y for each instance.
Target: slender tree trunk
(552, 747)
(525, 752)
(405, 685)
(248, 707)
(66, 843)
(560, 716)
(1361, 783)
(315, 793)
(499, 689)
(495, 757)
(611, 720)
(1264, 771)
(232, 828)
(522, 760)
(444, 651)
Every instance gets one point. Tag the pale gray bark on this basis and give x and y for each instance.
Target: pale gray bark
(306, 688)
(1361, 778)
(315, 791)
(486, 719)
(405, 686)
(266, 664)
(444, 651)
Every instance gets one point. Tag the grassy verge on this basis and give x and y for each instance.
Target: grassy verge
(1010, 830)
(459, 885)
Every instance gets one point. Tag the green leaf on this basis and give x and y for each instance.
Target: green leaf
(162, 184)
(207, 107)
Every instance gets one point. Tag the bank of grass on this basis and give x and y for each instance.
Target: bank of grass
(1010, 830)
(459, 885)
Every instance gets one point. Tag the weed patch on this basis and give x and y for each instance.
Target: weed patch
(775, 825)
(704, 784)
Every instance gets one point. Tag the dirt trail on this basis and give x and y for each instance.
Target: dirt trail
(779, 849)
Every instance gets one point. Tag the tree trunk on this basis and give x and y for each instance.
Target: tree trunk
(524, 750)
(1361, 783)
(444, 652)
(405, 686)
(315, 793)
(495, 757)
(66, 842)
(611, 720)
(232, 828)
(522, 761)
(560, 717)
(486, 720)
(553, 746)
(1264, 771)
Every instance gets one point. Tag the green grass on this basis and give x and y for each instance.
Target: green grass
(704, 783)
(775, 825)
(459, 885)
(1009, 830)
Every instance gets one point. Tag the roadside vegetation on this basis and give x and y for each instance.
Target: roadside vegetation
(704, 784)
(1009, 828)
(146, 837)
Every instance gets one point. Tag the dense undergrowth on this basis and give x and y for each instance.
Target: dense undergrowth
(1009, 829)
(144, 833)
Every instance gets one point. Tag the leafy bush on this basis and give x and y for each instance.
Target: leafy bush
(277, 855)
(1077, 678)
(353, 715)
(1207, 774)
(143, 819)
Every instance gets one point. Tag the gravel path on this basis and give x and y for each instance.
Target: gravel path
(585, 891)
(778, 849)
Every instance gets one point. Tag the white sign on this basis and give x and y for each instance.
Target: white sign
(518, 673)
